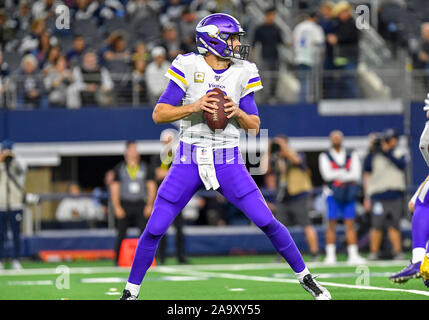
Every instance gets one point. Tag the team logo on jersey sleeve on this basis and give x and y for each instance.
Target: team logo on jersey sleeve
(199, 77)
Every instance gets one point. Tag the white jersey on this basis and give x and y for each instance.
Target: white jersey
(308, 40)
(192, 73)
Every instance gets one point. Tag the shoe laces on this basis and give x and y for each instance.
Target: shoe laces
(311, 283)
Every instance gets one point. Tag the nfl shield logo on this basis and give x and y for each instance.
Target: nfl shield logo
(217, 78)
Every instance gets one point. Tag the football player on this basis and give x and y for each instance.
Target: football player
(419, 206)
(213, 159)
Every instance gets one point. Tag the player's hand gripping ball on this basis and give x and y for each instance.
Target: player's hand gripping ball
(217, 120)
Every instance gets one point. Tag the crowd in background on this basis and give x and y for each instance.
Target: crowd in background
(116, 52)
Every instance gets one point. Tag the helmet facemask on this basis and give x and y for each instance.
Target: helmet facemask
(215, 34)
(240, 51)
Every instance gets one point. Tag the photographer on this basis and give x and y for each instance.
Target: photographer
(12, 178)
(384, 186)
(293, 184)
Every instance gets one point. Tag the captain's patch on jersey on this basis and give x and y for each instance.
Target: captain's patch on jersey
(199, 77)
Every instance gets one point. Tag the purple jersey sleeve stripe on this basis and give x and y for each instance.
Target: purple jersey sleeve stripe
(254, 79)
(248, 104)
(180, 73)
(173, 94)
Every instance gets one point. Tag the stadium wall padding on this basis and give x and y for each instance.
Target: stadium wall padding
(127, 123)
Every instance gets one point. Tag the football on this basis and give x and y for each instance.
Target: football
(217, 120)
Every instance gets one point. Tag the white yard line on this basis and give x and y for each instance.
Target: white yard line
(202, 267)
(50, 271)
(267, 279)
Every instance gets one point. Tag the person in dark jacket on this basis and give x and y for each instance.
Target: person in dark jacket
(270, 37)
(345, 42)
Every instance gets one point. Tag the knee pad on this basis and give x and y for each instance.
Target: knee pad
(150, 240)
(162, 216)
(272, 227)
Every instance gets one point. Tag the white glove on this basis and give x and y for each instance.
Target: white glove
(426, 107)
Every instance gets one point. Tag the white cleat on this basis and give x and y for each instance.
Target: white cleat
(314, 288)
(126, 295)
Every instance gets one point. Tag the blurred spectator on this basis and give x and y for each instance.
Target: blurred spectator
(345, 43)
(231, 7)
(104, 10)
(171, 12)
(46, 42)
(160, 164)
(139, 9)
(6, 31)
(191, 211)
(74, 55)
(188, 22)
(325, 16)
(294, 186)
(140, 53)
(82, 10)
(308, 38)
(94, 82)
(57, 84)
(45, 9)
(12, 180)
(328, 24)
(216, 211)
(341, 172)
(269, 35)
(204, 7)
(155, 71)
(74, 207)
(270, 190)
(21, 19)
(132, 194)
(384, 186)
(4, 81)
(29, 87)
(132, 88)
(423, 55)
(49, 63)
(115, 56)
(31, 41)
(171, 41)
(139, 85)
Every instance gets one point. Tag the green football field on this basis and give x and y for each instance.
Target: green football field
(259, 277)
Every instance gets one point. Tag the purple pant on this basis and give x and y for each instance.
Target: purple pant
(236, 185)
(420, 223)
